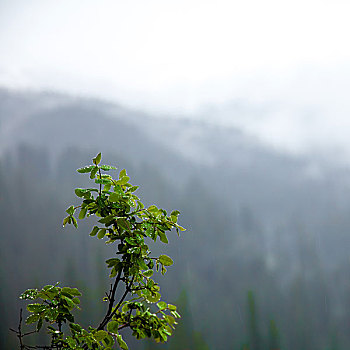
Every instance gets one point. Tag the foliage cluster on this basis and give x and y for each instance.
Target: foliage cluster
(134, 298)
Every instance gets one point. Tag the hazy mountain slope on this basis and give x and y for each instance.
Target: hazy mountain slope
(257, 218)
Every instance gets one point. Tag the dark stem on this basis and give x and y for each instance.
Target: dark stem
(19, 334)
(108, 317)
(99, 172)
(111, 298)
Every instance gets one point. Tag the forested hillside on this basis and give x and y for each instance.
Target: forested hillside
(264, 261)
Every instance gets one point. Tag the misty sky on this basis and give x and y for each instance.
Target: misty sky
(284, 64)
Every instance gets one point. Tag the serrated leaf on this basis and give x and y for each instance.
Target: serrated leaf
(85, 169)
(165, 260)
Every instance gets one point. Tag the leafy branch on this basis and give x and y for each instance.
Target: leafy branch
(124, 222)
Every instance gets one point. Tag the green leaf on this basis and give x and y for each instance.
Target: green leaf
(32, 318)
(93, 172)
(148, 273)
(107, 187)
(154, 297)
(39, 324)
(171, 307)
(107, 167)
(124, 180)
(112, 327)
(114, 197)
(81, 192)
(165, 260)
(37, 308)
(67, 220)
(121, 342)
(30, 294)
(76, 327)
(163, 237)
(142, 264)
(107, 341)
(101, 233)
(100, 335)
(70, 210)
(170, 320)
(121, 222)
(107, 220)
(112, 262)
(82, 213)
(51, 314)
(103, 181)
(162, 305)
(72, 291)
(152, 208)
(133, 188)
(75, 223)
(175, 314)
(85, 169)
(122, 174)
(97, 159)
(94, 231)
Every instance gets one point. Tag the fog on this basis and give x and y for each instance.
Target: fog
(287, 62)
(235, 113)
